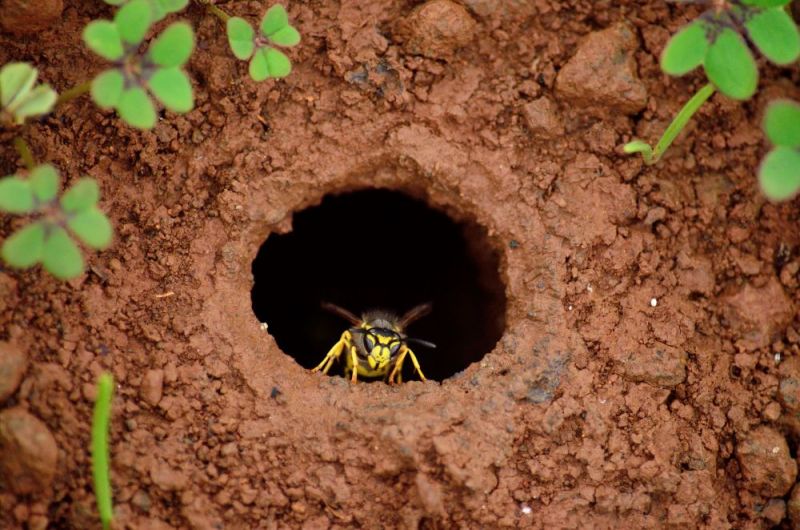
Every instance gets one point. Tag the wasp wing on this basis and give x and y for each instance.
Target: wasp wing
(342, 312)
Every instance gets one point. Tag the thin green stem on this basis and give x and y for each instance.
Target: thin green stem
(25, 152)
(73, 92)
(683, 117)
(100, 456)
(214, 10)
(651, 156)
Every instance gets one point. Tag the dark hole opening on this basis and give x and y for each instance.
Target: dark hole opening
(380, 249)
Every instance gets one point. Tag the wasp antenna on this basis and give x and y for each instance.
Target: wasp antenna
(342, 312)
(421, 343)
(414, 314)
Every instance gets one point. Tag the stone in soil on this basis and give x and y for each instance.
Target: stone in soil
(25, 17)
(543, 119)
(793, 507)
(757, 315)
(166, 477)
(437, 28)
(13, 363)
(659, 365)
(28, 452)
(789, 386)
(430, 494)
(767, 466)
(602, 73)
(152, 387)
(774, 511)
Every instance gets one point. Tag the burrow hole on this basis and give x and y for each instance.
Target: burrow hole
(381, 249)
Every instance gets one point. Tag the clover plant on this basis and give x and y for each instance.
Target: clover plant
(715, 41)
(158, 8)
(47, 240)
(265, 60)
(19, 98)
(100, 453)
(779, 174)
(125, 86)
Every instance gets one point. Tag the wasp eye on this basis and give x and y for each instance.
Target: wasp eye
(394, 347)
(369, 341)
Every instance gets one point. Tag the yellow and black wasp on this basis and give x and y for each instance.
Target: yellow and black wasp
(376, 345)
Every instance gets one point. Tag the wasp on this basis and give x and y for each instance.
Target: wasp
(376, 345)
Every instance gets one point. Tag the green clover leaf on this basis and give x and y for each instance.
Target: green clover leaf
(83, 195)
(173, 89)
(16, 195)
(18, 96)
(23, 248)
(162, 8)
(766, 3)
(259, 67)
(275, 26)
(16, 80)
(61, 257)
(782, 123)
(136, 108)
(775, 35)
(104, 39)
(686, 50)
(40, 101)
(158, 8)
(287, 36)
(92, 227)
(172, 6)
(240, 37)
(133, 20)
(779, 174)
(274, 20)
(44, 182)
(174, 46)
(730, 65)
(269, 62)
(107, 88)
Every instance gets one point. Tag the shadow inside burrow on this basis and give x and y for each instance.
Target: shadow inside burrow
(381, 249)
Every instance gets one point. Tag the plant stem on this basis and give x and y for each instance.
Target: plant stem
(651, 156)
(682, 118)
(100, 471)
(214, 10)
(24, 152)
(73, 92)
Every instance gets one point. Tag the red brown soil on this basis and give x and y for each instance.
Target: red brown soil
(595, 409)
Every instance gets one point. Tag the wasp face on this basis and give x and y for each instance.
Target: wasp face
(380, 345)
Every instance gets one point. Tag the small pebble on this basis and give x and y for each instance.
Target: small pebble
(653, 302)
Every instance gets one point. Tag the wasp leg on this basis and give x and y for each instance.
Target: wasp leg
(354, 360)
(334, 353)
(397, 372)
(416, 364)
(396, 375)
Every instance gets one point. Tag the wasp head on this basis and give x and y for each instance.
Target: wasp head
(381, 345)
